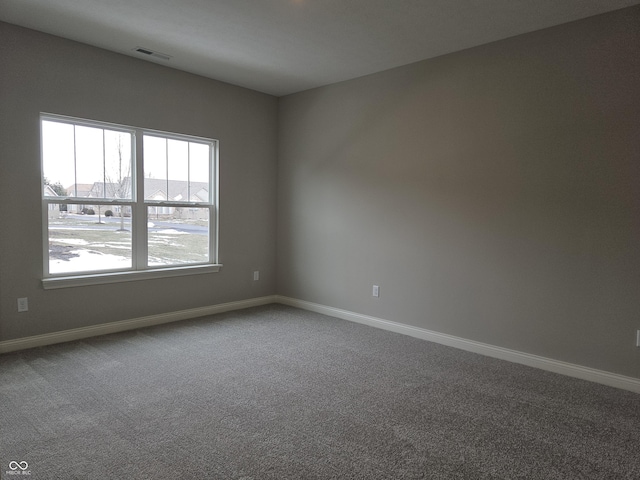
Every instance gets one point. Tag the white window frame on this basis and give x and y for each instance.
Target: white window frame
(139, 270)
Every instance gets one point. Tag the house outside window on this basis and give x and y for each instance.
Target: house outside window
(129, 202)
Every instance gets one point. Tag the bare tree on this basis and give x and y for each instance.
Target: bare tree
(118, 181)
(96, 190)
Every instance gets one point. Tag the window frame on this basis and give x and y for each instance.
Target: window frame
(140, 269)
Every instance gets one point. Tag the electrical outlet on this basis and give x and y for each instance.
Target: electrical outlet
(256, 275)
(376, 291)
(638, 338)
(23, 304)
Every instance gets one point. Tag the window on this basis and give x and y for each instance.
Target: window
(116, 208)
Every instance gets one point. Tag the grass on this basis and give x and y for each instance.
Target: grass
(167, 249)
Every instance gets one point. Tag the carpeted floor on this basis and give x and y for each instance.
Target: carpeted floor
(279, 393)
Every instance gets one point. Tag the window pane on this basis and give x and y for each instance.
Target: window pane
(98, 240)
(58, 155)
(155, 168)
(118, 164)
(86, 161)
(178, 170)
(155, 157)
(199, 159)
(90, 160)
(178, 235)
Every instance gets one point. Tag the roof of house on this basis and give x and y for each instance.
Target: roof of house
(156, 189)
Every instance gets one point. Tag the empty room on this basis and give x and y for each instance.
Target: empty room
(304, 239)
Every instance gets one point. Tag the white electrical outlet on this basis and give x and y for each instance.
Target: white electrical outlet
(23, 304)
(376, 291)
(256, 275)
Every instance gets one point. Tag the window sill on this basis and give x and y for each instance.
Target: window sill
(128, 276)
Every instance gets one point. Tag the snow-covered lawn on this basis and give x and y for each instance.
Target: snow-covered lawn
(82, 245)
(87, 261)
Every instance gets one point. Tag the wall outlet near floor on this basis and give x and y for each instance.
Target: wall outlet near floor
(256, 275)
(638, 338)
(23, 304)
(376, 291)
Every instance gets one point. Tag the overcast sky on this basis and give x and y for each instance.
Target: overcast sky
(84, 155)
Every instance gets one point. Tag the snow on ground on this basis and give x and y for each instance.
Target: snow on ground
(69, 241)
(88, 260)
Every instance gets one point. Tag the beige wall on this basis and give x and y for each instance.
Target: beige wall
(42, 73)
(493, 194)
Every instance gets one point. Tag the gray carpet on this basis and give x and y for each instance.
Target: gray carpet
(279, 393)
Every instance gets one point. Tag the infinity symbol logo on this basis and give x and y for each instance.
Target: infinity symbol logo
(13, 465)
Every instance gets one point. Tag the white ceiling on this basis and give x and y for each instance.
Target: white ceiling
(285, 46)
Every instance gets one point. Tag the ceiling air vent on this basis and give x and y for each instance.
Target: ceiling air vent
(151, 53)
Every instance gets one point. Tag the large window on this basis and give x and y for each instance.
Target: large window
(122, 203)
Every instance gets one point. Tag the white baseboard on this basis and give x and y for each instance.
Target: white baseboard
(123, 325)
(564, 368)
(556, 366)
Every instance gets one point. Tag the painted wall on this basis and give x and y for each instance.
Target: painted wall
(43, 73)
(492, 194)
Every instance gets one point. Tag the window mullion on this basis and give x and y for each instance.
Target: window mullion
(75, 163)
(214, 200)
(45, 236)
(139, 228)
